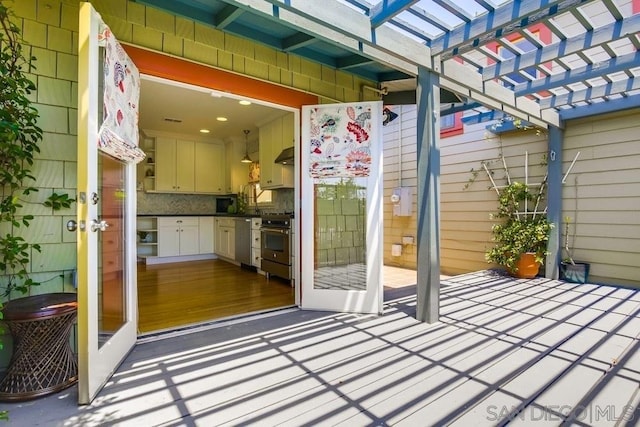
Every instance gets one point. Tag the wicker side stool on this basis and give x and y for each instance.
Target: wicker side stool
(43, 361)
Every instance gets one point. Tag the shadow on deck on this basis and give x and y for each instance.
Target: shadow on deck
(505, 350)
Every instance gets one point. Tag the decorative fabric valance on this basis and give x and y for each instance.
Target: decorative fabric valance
(118, 134)
(340, 139)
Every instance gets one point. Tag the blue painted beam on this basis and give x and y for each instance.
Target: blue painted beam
(590, 71)
(297, 41)
(613, 88)
(390, 76)
(352, 61)
(554, 200)
(252, 33)
(601, 108)
(483, 117)
(508, 125)
(226, 16)
(505, 19)
(317, 57)
(458, 108)
(181, 9)
(411, 29)
(387, 9)
(454, 9)
(428, 233)
(486, 5)
(431, 19)
(589, 39)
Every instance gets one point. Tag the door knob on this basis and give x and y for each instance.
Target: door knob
(72, 225)
(99, 225)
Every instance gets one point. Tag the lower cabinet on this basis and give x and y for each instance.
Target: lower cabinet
(206, 230)
(225, 237)
(168, 238)
(178, 236)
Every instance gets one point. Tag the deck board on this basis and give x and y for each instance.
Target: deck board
(503, 348)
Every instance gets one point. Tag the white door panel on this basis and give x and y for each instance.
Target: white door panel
(341, 242)
(107, 299)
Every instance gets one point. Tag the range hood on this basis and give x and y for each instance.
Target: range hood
(285, 157)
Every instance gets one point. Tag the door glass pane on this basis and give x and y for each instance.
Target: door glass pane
(111, 247)
(340, 233)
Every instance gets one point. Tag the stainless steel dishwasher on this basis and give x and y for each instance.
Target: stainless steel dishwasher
(243, 242)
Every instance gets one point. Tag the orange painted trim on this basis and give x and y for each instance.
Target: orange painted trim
(177, 69)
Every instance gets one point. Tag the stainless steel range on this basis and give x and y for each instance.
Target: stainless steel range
(276, 245)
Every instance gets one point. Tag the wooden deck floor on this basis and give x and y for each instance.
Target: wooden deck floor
(537, 352)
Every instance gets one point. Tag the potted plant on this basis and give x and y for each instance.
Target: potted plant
(521, 238)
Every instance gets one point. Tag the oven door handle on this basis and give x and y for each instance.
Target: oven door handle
(275, 230)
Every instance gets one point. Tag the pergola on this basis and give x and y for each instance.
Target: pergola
(544, 62)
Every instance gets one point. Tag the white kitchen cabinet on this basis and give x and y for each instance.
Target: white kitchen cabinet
(274, 137)
(206, 234)
(178, 236)
(210, 176)
(225, 237)
(175, 165)
(183, 166)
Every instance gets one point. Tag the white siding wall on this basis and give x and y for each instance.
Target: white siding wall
(602, 195)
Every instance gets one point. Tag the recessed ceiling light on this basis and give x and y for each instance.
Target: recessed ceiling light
(221, 119)
(204, 131)
(245, 102)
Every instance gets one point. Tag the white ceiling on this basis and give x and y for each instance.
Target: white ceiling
(197, 109)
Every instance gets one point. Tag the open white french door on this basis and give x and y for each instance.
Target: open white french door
(341, 205)
(107, 298)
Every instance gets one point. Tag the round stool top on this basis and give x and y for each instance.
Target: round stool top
(40, 306)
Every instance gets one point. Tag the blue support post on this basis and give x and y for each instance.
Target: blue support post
(428, 146)
(554, 201)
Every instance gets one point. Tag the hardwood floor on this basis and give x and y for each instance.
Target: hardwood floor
(179, 294)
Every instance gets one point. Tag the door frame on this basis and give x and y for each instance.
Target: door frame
(97, 362)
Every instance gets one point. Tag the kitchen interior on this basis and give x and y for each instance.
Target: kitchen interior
(215, 205)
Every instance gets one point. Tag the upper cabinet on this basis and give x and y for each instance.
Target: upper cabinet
(182, 166)
(175, 165)
(274, 137)
(209, 168)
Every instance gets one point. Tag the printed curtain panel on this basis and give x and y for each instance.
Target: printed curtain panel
(118, 134)
(340, 140)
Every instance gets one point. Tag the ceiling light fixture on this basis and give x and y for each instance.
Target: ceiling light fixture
(246, 158)
(204, 131)
(245, 102)
(221, 119)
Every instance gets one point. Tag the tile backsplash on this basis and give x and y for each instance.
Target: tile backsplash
(178, 204)
(200, 204)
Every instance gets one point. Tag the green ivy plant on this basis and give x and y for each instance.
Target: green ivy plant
(19, 139)
(58, 201)
(519, 232)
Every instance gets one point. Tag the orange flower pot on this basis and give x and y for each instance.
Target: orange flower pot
(527, 267)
